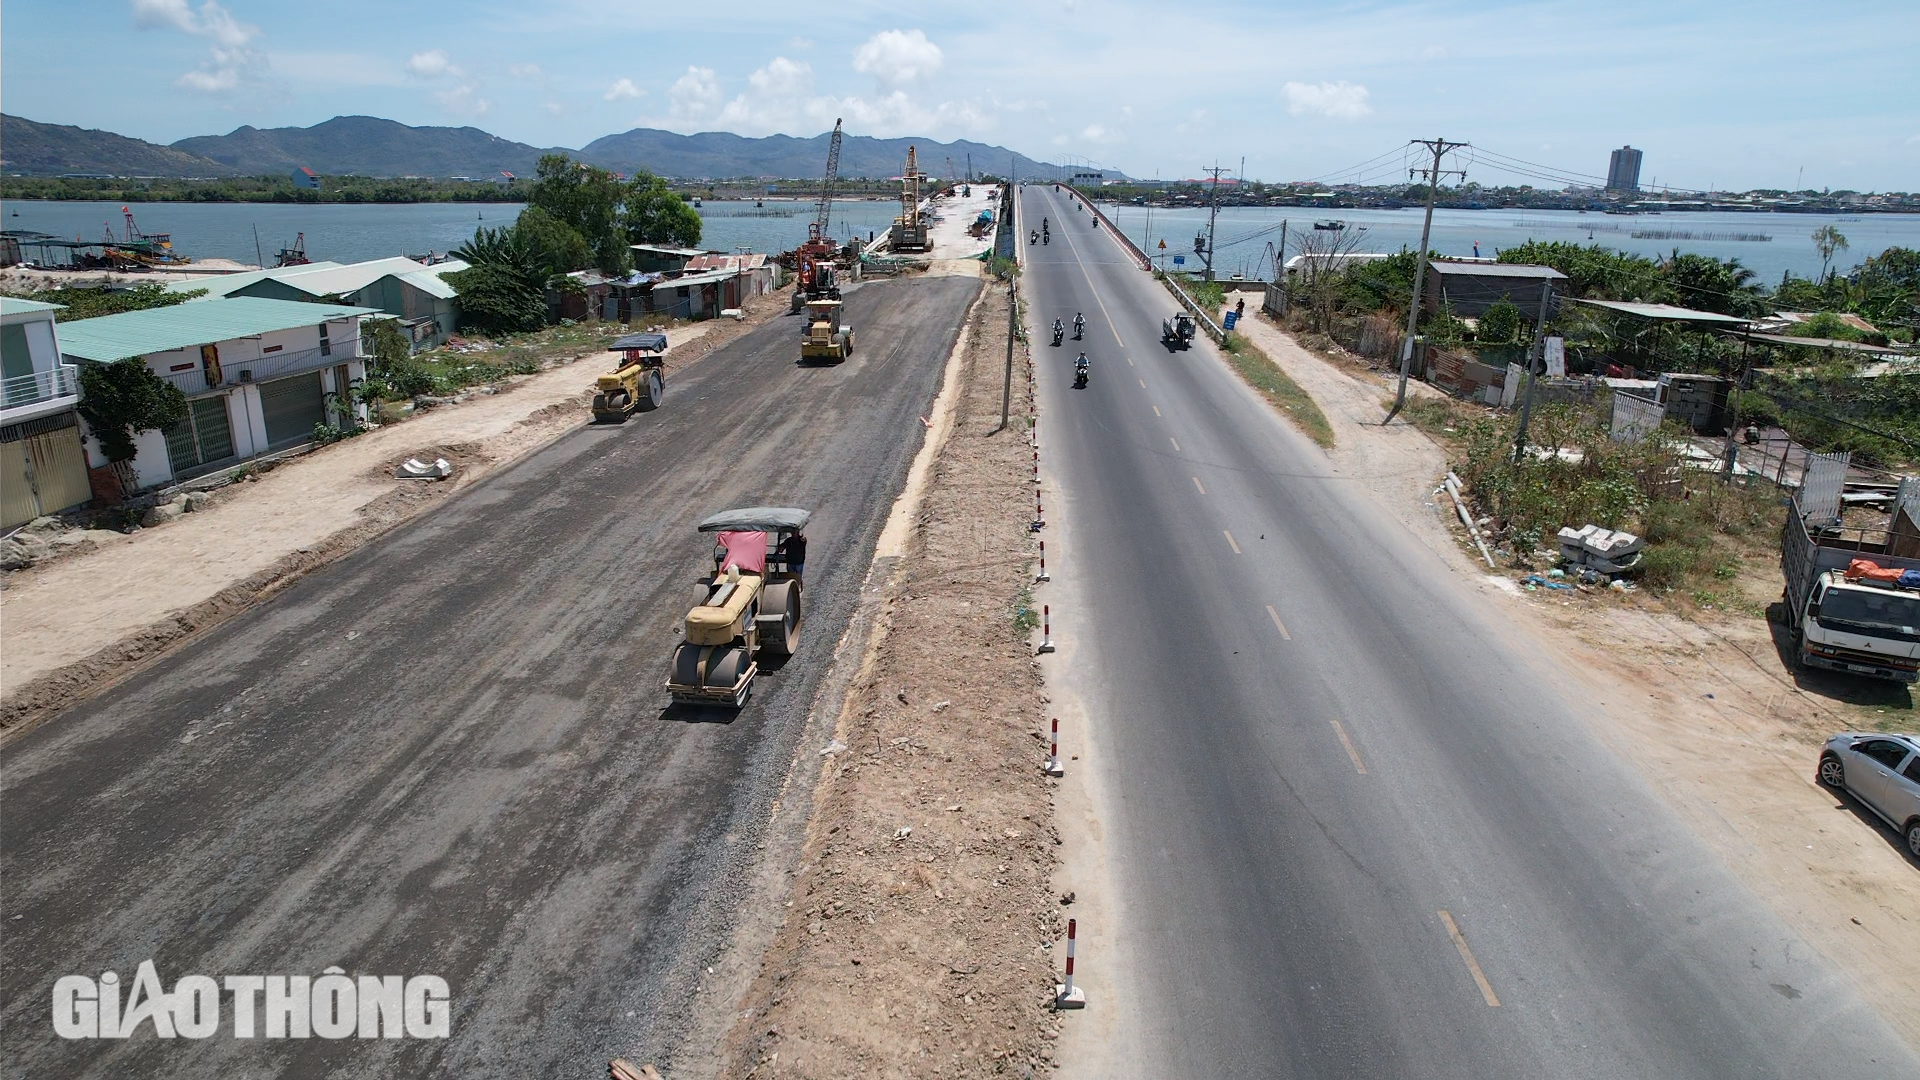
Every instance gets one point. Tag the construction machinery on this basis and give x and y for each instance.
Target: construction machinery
(909, 231)
(813, 261)
(748, 609)
(825, 337)
(1176, 332)
(638, 384)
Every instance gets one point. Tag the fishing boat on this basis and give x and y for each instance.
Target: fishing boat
(1330, 226)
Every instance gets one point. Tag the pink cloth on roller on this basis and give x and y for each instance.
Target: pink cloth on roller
(746, 550)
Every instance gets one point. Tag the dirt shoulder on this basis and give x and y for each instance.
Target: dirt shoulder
(116, 602)
(919, 931)
(1698, 697)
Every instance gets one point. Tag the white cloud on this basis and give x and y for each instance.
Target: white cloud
(554, 108)
(799, 43)
(898, 58)
(623, 90)
(432, 64)
(1342, 100)
(459, 95)
(1101, 133)
(694, 96)
(232, 60)
(527, 72)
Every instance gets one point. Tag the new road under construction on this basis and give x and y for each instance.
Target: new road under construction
(453, 753)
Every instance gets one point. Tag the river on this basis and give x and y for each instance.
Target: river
(1242, 234)
(353, 232)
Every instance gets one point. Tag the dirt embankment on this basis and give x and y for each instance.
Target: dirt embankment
(99, 611)
(920, 931)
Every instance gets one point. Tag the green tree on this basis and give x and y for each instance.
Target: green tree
(1593, 272)
(88, 303)
(557, 247)
(503, 290)
(656, 214)
(1828, 241)
(120, 399)
(1501, 324)
(1705, 283)
(588, 199)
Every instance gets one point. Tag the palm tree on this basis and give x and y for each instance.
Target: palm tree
(1827, 240)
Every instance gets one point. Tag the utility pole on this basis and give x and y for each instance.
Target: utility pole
(1439, 148)
(1213, 214)
(1536, 354)
(1006, 386)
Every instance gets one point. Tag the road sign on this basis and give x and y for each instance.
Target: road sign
(1179, 260)
(1163, 245)
(1232, 317)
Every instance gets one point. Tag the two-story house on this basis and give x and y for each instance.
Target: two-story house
(43, 468)
(259, 376)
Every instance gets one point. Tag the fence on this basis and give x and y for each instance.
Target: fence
(34, 387)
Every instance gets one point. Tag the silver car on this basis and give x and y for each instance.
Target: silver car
(1882, 771)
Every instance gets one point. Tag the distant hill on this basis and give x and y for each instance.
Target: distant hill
(365, 146)
(370, 146)
(37, 149)
(716, 154)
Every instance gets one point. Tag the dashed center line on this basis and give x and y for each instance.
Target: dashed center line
(1282, 627)
(1156, 410)
(1348, 743)
(1230, 543)
(1130, 362)
(1143, 384)
(1175, 442)
(1460, 942)
(1203, 491)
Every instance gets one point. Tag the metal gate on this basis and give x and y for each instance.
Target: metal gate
(202, 437)
(292, 408)
(41, 473)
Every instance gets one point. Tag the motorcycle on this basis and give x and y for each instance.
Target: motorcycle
(1033, 238)
(1045, 239)
(1058, 331)
(1080, 374)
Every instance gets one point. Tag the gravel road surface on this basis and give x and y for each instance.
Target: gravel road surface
(450, 753)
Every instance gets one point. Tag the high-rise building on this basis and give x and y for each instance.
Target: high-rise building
(1623, 171)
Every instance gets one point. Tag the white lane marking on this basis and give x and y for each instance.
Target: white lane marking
(1096, 293)
(1230, 543)
(1156, 410)
(1460, 942)
(1130, 362)
(1282, 627)
(1203, 491)
(1175, 442)
(1143, 384)
(1348, 743)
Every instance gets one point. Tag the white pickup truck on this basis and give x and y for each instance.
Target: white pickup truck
(1845, 622)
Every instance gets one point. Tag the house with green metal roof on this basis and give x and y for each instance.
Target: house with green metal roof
(412, 292)
(259, 376)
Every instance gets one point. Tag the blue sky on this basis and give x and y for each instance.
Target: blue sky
(1717, 94)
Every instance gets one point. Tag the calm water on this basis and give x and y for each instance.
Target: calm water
(348, 233)
(1242, 234)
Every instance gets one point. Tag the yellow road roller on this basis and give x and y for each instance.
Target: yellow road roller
(638, 384)
(824, 337)
(749, 607)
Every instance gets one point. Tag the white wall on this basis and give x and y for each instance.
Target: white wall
(41, 346)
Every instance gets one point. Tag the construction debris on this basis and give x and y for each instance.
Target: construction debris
(415, 469)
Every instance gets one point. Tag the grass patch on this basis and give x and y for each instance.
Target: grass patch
(1261, 373)
(1025, 618)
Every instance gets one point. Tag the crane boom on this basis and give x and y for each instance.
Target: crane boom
(826, 187)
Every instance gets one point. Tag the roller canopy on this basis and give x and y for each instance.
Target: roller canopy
(648, 342)
(758, 519)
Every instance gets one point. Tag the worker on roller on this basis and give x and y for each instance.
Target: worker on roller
(793, 551)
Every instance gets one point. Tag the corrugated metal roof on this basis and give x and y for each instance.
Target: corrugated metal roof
(1486, 269)
(14, 305)
(1826, 343)
(219, 285)
(708, 278)
(137, 333)
(662, 249)
(335, 280)
(1664, 312)
(431, 280)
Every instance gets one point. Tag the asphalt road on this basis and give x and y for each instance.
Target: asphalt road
(450, 753)
(1310, 738)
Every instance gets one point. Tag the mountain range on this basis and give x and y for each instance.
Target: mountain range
(370, 146)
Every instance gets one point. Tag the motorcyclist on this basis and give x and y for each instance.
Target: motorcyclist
(1081, 368)
(1033, 237)
(1059, 331)
(1043, 224)
(1079, 326)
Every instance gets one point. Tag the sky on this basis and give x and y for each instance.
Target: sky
(1718, 95)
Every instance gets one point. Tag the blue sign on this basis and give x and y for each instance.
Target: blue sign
(1232, 317)
(1179, 260)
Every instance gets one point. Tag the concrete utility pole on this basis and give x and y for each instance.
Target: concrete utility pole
(1006, 385)
(1439, 148)
(1213, 214)
(1536, 354)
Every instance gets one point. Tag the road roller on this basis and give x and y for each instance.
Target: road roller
(637, 385)
(748, 609)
